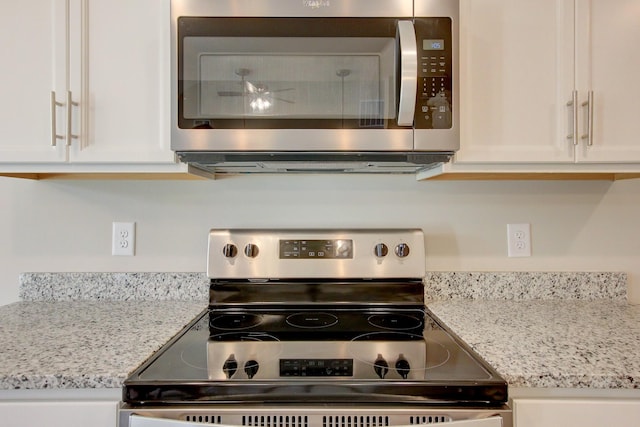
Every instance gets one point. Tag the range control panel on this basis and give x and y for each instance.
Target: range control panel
(335, 254)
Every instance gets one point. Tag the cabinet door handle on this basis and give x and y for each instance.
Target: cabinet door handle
(54, 119)
(589, 104)
(70, 105)
(573, 103)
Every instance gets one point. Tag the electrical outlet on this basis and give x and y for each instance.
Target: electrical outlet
(519, 240)
(123, 240)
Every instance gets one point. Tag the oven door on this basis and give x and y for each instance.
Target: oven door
(319, 416)
(255, 76)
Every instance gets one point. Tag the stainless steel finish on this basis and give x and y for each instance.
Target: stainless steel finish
(293, 8)
(408, 72)
(315, 328)
(589, 104)
(573, 103)
(268, 264)
(316, 162)
(54, 119)
(327, 150)
(317, 416)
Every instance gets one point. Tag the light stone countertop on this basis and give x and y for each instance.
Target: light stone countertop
(546, 343)
(83, 344)
(537, 329)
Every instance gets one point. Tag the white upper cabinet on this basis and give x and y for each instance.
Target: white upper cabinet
(607, 64)
(516, 68)
(521, 64)
(119, 76)
(110, 58)
(33, 55)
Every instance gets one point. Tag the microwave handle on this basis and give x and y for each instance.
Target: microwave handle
(408, 55)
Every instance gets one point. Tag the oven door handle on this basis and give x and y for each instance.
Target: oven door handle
(408, 57)
(140, 421)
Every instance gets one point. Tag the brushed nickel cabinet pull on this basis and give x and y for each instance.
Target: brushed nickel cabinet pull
(589, 104)
(573, 103)
(70, 105)
(54, 118)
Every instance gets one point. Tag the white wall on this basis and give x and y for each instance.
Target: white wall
(66, 225)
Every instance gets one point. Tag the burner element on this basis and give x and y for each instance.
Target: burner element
(394, 322)
(312, 320)
(235, 321)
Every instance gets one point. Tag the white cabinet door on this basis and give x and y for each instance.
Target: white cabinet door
(608, 60)
(576, 412)
(119, 75)
(33, 53)
(112, 57)
(516, 70)
(58, 414)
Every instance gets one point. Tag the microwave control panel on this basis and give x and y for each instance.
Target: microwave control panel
(434, 101)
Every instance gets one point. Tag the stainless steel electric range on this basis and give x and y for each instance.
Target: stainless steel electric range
(315, 328)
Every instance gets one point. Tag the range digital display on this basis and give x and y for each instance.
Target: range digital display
(316, 367)
(316, 249)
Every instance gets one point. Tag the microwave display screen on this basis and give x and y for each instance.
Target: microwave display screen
(433, 44)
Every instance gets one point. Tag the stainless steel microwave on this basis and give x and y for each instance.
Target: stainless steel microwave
(314, 85)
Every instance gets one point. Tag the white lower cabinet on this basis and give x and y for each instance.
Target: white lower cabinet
(58, 413)
(576, 412)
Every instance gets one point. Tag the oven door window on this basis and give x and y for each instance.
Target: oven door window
(317, 73)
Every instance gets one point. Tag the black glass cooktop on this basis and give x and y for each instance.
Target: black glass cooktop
(321, 355)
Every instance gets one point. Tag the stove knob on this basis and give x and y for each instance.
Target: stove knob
(381, 366)
(230, 366)
(230, 250)
(251, 368)
(251, 250)
(402, 250)
(381, 250)
(402, 367)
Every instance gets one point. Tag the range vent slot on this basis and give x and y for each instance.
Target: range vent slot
(275, 421)
(355, 421)
(429, 419)
(208, 419)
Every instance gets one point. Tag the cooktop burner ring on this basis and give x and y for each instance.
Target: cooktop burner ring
(437, 355)
(394, 321)
(235, 321)
(311, 320)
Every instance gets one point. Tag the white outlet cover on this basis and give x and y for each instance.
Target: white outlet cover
(519, 240)
(123, 238)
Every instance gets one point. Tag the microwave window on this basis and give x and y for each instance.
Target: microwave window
(321, 78)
